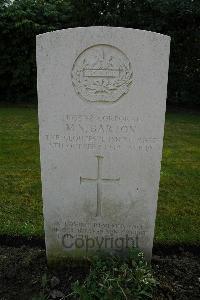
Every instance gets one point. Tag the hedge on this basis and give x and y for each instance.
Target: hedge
(22, 20)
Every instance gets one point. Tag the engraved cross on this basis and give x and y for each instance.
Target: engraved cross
(99, 180)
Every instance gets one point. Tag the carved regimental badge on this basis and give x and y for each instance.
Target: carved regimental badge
(101, 73)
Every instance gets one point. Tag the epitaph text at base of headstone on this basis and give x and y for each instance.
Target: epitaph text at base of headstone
(101, 98)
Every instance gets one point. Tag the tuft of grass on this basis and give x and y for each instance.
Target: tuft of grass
(112, 277)
(178, 215)
(109, 277)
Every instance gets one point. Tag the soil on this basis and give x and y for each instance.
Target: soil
(24, 274)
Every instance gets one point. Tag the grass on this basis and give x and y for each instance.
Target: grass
(178, 217)
(20, 184)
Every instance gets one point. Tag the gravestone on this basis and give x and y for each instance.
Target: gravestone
(102, 98)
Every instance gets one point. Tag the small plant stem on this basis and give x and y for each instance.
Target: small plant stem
(122, 290)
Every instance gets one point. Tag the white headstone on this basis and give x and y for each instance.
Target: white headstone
(102, 97)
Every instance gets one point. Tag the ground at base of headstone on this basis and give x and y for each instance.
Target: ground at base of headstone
(24, 275)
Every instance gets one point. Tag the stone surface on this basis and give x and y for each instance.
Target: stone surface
(101, 95)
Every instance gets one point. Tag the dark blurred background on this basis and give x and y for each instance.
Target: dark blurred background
(22, 20)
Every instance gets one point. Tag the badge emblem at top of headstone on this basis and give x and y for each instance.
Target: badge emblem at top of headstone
(102, 74)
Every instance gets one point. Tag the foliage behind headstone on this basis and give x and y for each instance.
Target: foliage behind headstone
(22, 20)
